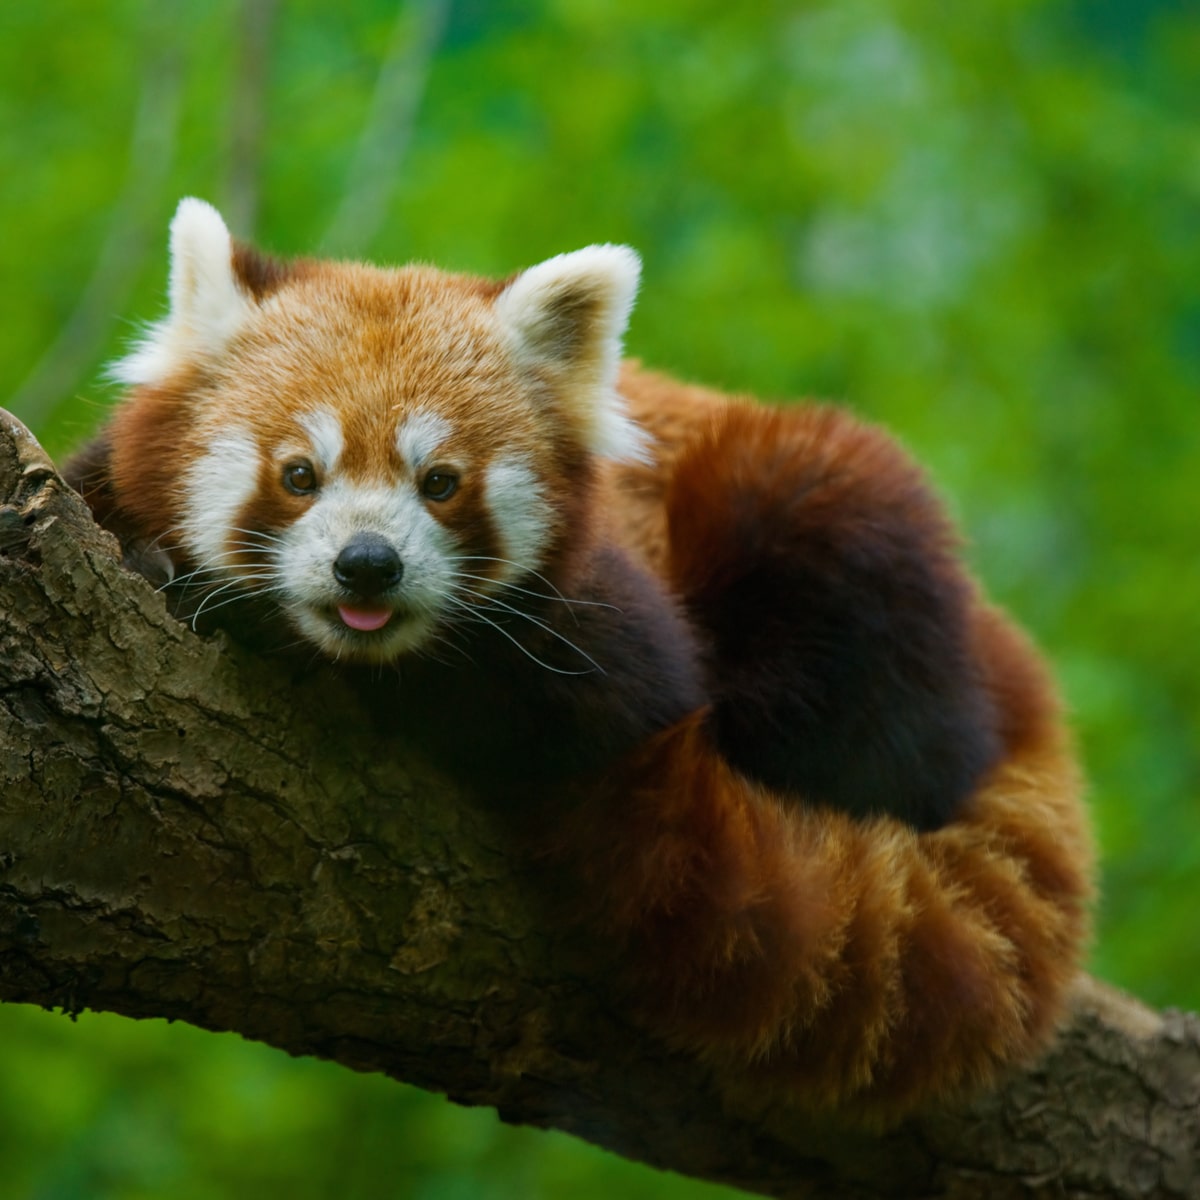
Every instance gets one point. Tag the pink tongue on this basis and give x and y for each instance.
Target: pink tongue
(364, 619)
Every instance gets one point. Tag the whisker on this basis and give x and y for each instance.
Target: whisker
(156, 542)
(212, 595)
(473, 612)
(190, 580)
(241, 592)
(476, 615)
(559, 598)
(554, 633)
(234, 558)
(508, 562)
(261, 534)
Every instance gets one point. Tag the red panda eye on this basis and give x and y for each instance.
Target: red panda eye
(439, 485)
(299, 478)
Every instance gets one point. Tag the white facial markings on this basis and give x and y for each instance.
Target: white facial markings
(518, 506)
(419, 435)
(311, 544)
(325, 430)
(217, 486)
(429, 594)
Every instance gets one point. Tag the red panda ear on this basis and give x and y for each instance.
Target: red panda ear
(565, 318)
(208, 302)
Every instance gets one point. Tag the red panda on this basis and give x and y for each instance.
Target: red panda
(818, 790)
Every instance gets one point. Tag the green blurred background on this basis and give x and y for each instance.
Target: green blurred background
(977, 223)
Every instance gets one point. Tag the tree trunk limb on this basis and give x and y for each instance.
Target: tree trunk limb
(187, 833)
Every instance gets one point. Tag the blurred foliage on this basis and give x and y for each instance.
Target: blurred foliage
(975, 223)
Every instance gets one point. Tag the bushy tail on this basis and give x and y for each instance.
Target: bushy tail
(824, 577)
(857, 963)
(793, 928)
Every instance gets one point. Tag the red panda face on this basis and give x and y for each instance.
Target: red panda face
(370, 559)
(380, 453)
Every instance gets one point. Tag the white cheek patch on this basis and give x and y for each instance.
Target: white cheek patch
(518, 507)
(419, 436)
(216, 488)
(325, 430)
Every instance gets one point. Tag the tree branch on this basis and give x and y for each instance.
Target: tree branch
(186, 833)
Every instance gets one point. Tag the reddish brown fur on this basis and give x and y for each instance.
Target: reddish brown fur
(152, 441)
(854, 962)
(260, 274)
(415, 338)
(858, 964)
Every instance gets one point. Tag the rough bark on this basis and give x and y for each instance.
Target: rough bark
(186, 833)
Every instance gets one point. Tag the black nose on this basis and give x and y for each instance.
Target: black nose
(368, 565)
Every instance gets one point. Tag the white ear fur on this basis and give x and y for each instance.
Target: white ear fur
(568, 314)
(208, 305)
